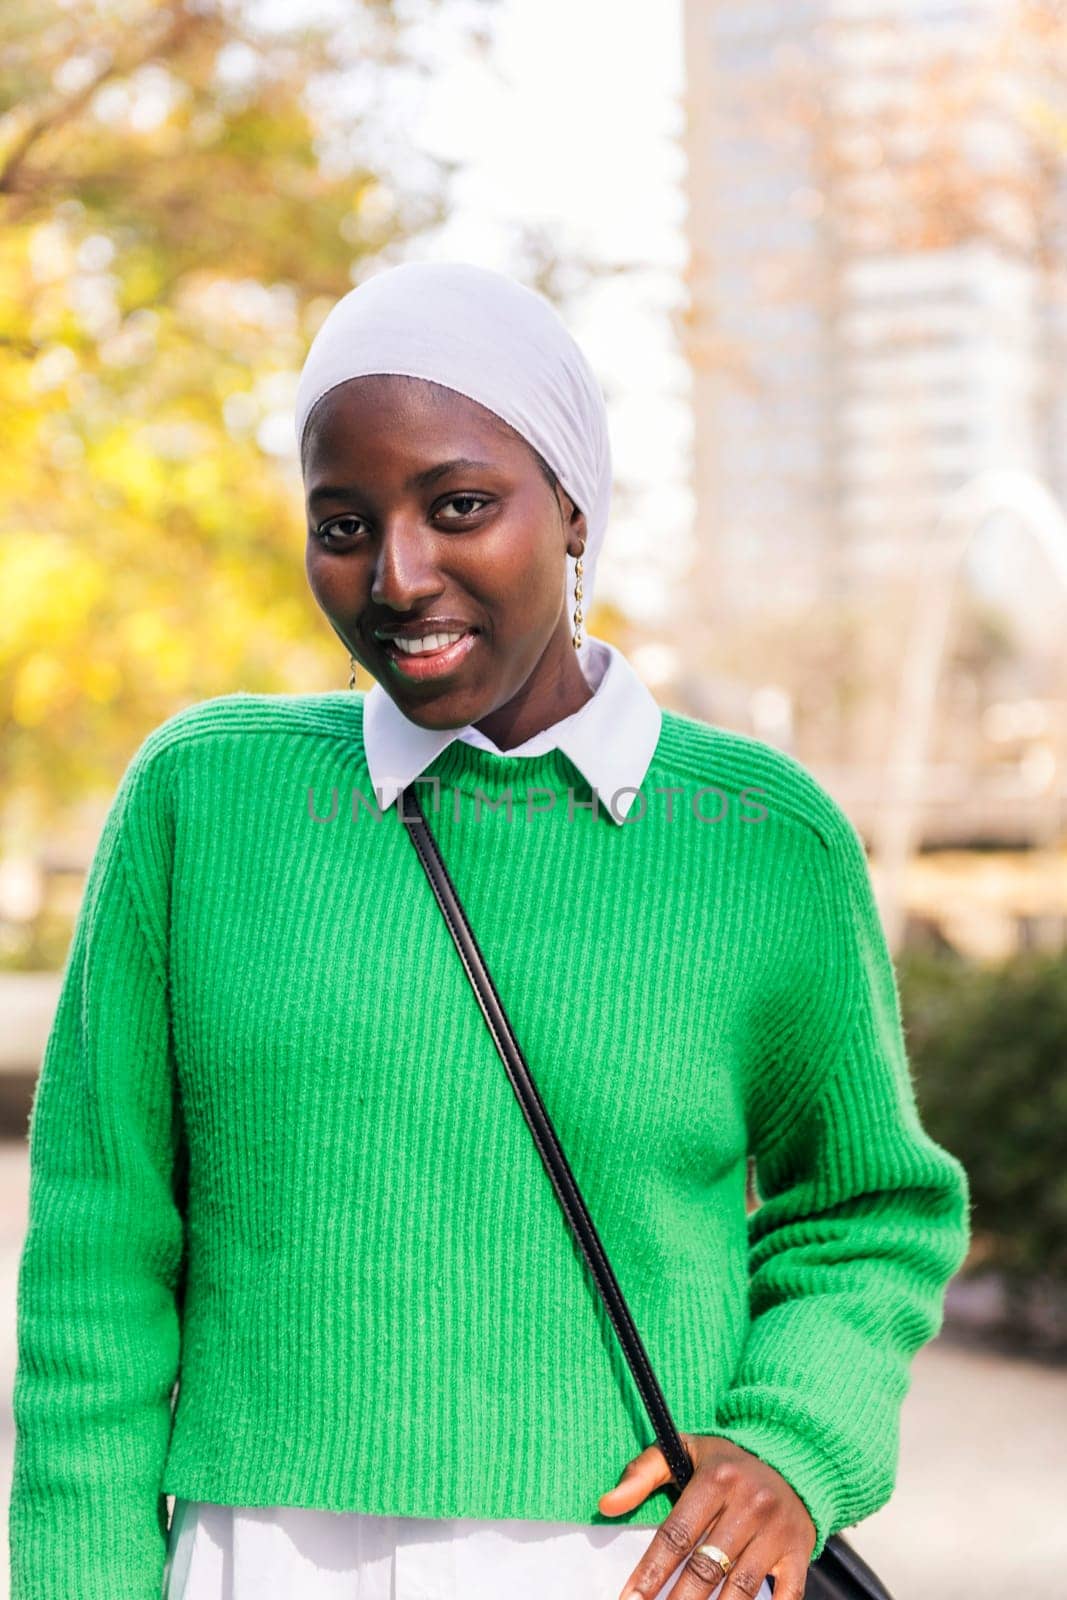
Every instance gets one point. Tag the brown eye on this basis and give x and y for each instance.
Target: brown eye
(465, 499)
(334, 528)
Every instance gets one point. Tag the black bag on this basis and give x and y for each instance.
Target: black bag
(839, 1573)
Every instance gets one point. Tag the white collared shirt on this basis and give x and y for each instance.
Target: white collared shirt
(611, 739)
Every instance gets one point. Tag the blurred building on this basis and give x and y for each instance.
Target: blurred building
(846, 381)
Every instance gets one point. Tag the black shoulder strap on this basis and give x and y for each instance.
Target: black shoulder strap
(545, 1138)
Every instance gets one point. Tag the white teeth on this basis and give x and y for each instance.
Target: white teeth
(429, 641)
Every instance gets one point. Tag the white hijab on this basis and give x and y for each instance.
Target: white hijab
(497, 342)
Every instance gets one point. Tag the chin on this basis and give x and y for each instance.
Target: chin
(437, 712)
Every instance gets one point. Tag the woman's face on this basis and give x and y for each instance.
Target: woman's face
(427, 513)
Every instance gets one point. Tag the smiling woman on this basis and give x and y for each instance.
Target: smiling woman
(437, 540)
(293, 1256)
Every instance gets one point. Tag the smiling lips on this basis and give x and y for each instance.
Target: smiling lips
(429, 655)
(424, 643)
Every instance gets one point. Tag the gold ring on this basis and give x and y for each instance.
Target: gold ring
(716, 1554)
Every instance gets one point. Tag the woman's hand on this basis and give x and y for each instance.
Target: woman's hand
(733, 1500)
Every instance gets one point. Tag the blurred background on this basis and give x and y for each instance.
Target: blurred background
(817, 252)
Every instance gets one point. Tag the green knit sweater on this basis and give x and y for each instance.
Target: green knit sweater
(290, 1239)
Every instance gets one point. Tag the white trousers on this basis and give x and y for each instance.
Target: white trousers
(295, 1553)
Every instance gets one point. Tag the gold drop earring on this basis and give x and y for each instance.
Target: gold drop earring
(577, 636)
(352, 676)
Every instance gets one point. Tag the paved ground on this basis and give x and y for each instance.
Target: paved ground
(980, 1509)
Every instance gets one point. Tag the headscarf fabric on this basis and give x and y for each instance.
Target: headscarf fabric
(488, 337)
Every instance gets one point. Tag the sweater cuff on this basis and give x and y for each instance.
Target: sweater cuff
(784, 1442)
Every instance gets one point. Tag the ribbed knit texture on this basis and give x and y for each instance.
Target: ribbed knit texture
(273, 1149)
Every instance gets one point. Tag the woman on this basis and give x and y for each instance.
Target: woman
(275, 1159)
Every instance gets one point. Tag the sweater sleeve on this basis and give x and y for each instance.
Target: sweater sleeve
(97, 1314)
(863, 1217)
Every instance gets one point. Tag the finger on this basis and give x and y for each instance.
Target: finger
(790, 1576)
(639, 1477)
(702, 1574)
(682, 1529)
(750, 1567)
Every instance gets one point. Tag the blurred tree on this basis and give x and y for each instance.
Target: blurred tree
(931, 131)
(185, 188)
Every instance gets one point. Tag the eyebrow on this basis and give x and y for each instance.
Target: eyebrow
(420, 480)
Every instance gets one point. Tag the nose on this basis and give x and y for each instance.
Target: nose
(404, 572)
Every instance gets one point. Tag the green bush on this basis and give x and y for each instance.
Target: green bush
(989, 1051)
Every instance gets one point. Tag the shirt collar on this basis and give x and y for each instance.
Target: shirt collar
(611, 739)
